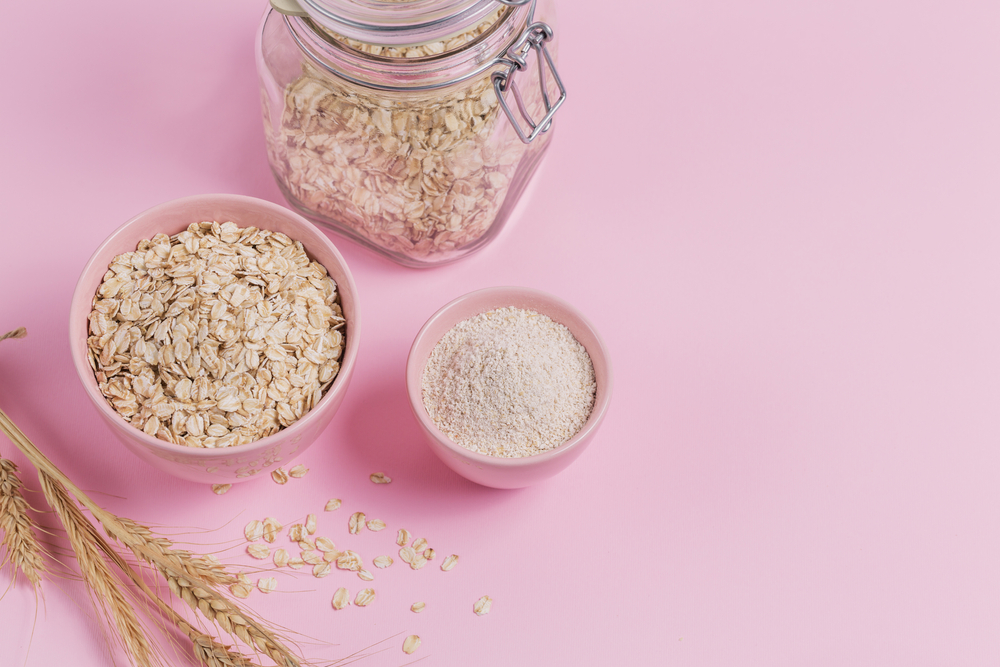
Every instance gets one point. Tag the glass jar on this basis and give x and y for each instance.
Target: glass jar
(412, 126)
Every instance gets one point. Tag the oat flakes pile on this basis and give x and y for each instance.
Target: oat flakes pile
(217, 336)
(420, 174)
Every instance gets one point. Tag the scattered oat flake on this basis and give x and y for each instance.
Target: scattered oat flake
(331, 556)
(382, 562)
(341, 598)
(241, 591)
(364, 597)
(259, 551)
(312, 557)
(279, 475)
(403, 537)
(271, 529)
(320, 570)
(418, 562)
(267, 584)
(449, 562)
(254, 531)
(482, 605)
(380, 478)
(244, 579)
(325, 544)
(419, 544)
(376, 525)
(411, 644)
(307, 544)
(219, 489)
(296, 563)
(429, 554)
(332, 505)
(365, 575)
(296, 532)
(281, 558)
(349, 561)
(417, 607)
(407, 554)
(298, 471)
(355, 523)
(311, 524)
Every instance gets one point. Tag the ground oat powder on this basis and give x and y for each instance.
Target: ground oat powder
(509, 383)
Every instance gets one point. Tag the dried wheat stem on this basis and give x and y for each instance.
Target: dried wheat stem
(20, 332)
(181, 574)
(99, 578)
(23, 549)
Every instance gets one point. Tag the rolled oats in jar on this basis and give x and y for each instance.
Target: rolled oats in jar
(412, 126)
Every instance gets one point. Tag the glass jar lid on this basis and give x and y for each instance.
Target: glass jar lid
(399, 22)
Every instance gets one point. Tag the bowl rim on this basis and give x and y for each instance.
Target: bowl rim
(86, 374)
(602, 397)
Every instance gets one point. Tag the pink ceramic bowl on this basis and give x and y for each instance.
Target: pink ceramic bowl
(231, 464)
(507, 473)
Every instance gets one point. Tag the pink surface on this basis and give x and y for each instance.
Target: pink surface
(782, 218)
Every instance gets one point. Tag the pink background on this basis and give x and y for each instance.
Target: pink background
(782, 216)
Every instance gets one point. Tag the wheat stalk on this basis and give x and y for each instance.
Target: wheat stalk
(191, 578)
(96, 573)
(23, 550)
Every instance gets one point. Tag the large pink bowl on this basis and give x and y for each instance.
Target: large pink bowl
(231, 464)
(507, 473)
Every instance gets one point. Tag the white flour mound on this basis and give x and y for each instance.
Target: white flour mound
(509, 383)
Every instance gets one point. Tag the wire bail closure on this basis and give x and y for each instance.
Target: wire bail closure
(534, 37)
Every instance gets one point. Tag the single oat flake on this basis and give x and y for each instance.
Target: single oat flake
(355, 523)
(332, 505)
(407, 554)
(267, 584)
(417, 607)
(281, 558)
(312, 557)
(483, 605)
(253, 531)
(241, 591)
(411, 644)
(279, 475)
(311, 524)
(449, 562)
(382, 562)
(419, 544)
(376, 525)
(365, 575)
(380, 478)
(325, 544)
(320, 570)
(364, 597)
(219, 489)
(341, 599)
(429, 554)
(272, 528)
(259, 551)
(349, 560)
(296, 532)
(298, 471)
(403, 537)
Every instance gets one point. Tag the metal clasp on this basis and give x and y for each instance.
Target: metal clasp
(534, 37)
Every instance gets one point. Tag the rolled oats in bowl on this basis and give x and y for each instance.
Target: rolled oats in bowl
(216, 336)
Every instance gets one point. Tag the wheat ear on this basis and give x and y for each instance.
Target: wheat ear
(23, 550)
(96, 573)
(194, 590)
(19, 332)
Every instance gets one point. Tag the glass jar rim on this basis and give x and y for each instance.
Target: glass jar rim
(399, 22)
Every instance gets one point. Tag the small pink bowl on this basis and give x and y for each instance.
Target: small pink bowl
(242, 462)
(507, 473)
